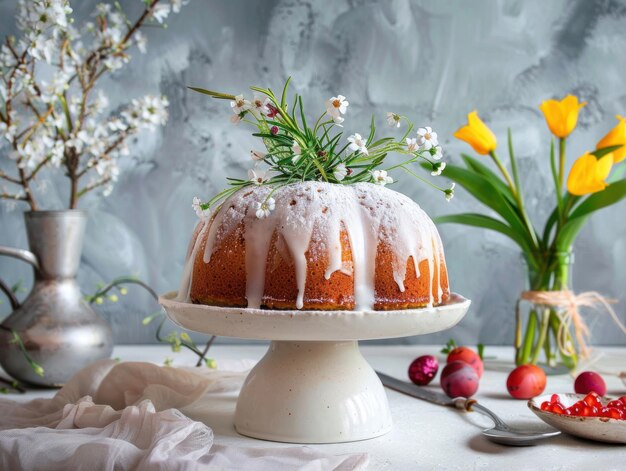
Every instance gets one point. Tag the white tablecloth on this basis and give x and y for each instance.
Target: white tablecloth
(424, 436)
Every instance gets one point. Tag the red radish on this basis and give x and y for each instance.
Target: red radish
(423, 370)
(458, 379)
(468, 356)
(589, 381)
(526, 381)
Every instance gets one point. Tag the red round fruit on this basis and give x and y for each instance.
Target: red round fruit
(589, 381)
(468, 356)
(526, 381)
(423, 370)
(458, 379)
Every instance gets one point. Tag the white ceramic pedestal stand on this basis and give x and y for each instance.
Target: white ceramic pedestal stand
(313, 385)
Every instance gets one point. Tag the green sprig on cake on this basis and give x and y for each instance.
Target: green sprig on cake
(296, 151)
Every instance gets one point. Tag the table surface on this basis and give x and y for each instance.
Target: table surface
(424, 436)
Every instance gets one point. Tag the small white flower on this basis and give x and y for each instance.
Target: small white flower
(338, 120)
(6, 56)
(436, 152)
(450, 192)
(438, 168)
(108, 169)
(337, 106)
(357, 143)
(393, 119)
(161, 12)
(141, 41)
(9, 132)
(115, 62)
(259, 105)
(264, 209)
(57, 153)
(297, 152)
(295, 148)
(146, 112)
(117, 124)
(235, 119)
(411, 144)
(42, 48)
(340, 172)
(240, 105)
(257, 155)
(49, 13)
(115, 30)
(426, 138)
(197, 207)
(177, 5)
(258, 177)
(100, 103)
(50, 91)
(103, 9)
(381, 178)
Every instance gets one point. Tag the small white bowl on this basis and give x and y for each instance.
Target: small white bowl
(601, 429)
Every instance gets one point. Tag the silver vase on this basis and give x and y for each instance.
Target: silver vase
(59, 330)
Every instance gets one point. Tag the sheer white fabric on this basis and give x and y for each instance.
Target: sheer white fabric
(123, 416)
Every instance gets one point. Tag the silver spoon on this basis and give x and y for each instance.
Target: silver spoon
(500, 433)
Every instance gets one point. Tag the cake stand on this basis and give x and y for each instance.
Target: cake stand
(313, 385)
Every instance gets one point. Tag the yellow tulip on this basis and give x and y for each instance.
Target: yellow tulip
(616, 137)
(562, 116)
(477, 135)
(588, 174)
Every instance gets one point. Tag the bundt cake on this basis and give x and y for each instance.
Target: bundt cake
(323, 247)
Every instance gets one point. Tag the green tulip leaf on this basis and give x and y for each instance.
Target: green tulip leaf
(599, 153)
(485, 222)
(610, 195)
(484, 191)
(568, 233)
(488, 174)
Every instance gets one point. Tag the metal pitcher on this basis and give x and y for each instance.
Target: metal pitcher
(59, 329)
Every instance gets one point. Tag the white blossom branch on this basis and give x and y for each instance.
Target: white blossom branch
(8, 178)
(32, 111)
(10, 196)
(93, 186)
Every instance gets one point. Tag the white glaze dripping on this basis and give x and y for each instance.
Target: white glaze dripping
(368, 213)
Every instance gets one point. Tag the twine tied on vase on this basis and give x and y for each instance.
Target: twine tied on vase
(569, 315)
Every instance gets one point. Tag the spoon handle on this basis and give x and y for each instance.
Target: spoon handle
(473, 405)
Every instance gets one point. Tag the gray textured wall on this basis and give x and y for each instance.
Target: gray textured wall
(433, 61)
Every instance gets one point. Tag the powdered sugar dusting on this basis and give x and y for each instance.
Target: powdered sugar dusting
(369, 213)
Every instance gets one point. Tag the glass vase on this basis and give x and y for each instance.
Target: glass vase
(540, 335)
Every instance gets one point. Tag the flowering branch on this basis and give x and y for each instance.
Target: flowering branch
(11, 196)
(8, 178)
(56, 121)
